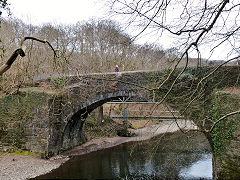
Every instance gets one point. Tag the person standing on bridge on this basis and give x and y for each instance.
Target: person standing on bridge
(116, 68)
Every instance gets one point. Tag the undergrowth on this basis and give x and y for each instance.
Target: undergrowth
(107, 128)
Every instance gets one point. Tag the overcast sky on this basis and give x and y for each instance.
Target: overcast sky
(38, 12)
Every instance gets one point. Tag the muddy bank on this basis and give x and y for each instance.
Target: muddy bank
(24, 167)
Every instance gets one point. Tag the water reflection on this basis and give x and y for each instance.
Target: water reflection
(199, 169)
(141, 161)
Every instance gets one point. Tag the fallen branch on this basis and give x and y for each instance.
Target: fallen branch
(21, 51)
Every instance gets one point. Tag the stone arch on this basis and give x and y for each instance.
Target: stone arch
(73, 132)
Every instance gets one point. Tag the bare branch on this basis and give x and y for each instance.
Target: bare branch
(21, 52)
(222, 118)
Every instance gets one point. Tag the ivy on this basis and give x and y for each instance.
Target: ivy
(223, 132)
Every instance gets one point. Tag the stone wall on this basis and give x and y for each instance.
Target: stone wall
(53, 129)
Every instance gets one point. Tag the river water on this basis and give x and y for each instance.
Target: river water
(174, 156)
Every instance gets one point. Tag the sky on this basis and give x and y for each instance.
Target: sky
(39, 12)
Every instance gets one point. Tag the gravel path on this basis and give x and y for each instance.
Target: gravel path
(25, 167)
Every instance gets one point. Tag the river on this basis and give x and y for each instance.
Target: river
(173, 156)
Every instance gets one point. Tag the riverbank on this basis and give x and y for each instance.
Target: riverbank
(20, 167)
(140, 135)
(24, 167)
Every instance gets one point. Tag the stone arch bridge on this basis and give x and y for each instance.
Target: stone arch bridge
(66, 101)
(55, 107)
(61, 103)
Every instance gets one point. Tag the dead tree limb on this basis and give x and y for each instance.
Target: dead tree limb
(21, 51)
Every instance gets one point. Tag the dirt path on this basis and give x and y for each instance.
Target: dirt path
(24, 167)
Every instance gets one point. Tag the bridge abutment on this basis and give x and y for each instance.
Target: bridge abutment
(43, 130)
(49, 124)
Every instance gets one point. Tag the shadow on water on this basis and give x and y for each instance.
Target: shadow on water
(173, 156)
